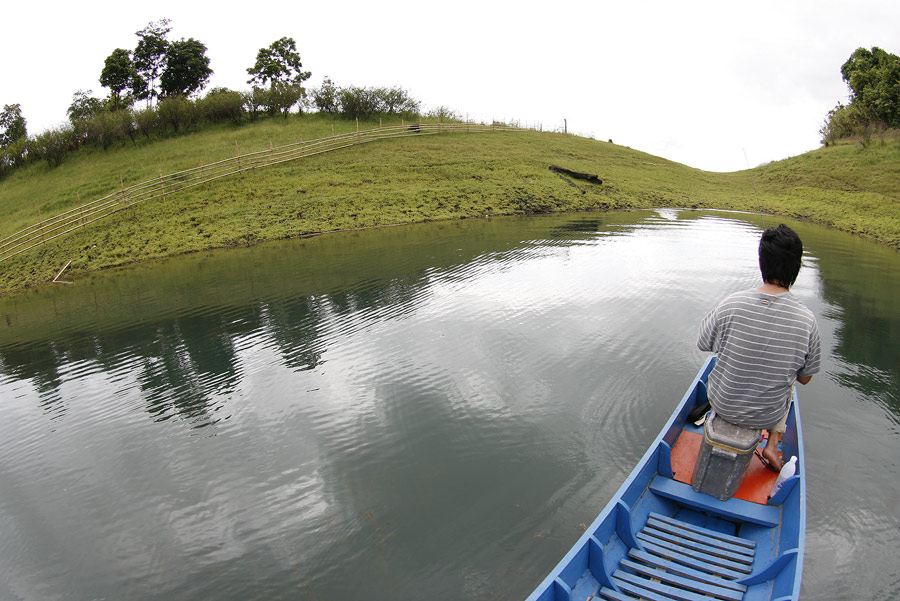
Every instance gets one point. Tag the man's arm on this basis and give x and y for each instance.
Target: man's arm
(813, 358)
(707, 339)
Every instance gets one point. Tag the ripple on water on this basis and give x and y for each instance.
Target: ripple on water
(427, 413)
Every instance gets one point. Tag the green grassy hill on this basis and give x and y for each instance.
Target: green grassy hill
(410, 179)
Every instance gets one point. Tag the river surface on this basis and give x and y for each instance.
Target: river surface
(424, 412)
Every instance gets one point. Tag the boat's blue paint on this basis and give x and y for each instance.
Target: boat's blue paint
(732, 509)
(689, 543)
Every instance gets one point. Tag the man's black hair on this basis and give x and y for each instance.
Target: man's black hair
(780, 253)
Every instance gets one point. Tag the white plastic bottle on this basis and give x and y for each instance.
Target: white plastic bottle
(788, 470)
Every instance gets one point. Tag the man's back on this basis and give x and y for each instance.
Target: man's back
(765, 341)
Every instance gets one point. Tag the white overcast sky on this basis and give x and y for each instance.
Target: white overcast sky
(701, 83)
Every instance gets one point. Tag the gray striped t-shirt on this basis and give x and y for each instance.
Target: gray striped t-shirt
(764, 342)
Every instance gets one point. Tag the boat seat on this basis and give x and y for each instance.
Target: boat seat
(761, 515)
(684, 562)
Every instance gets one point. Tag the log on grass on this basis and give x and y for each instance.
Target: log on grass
(594, 179)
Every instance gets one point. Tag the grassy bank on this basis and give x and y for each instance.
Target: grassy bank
(409, 180)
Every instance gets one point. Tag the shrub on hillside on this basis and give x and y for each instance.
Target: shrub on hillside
(221, 105)
(845, 121)
(125, 125)
(325, 98)
(176, 113)
(254, 101)
(365, 103)
(104, 129)
(146, 121)
(281, 98)
(397, 101)
(83, 133)
(53, 144)
(13, 156)
(358, 103)
(443, 113)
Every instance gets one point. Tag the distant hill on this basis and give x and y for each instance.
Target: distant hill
(410, 179)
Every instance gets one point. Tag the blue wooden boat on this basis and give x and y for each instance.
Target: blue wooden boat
(658, 539)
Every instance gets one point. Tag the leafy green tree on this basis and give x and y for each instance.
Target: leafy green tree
(278, 64)
(13, 139)
(283, 97)
(12, 125)
(150, 58)
(325, 98)
(118, 73)
(13, 156)
(254, 100)
(187, 68)
(874, 80)
(83, 106)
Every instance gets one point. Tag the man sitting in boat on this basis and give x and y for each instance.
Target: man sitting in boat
(766, 340)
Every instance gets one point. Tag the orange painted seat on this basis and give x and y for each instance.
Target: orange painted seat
(756, 484)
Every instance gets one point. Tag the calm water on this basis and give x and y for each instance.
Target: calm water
(416, 412)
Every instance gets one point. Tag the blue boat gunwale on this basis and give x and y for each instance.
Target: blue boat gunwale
(659, 451)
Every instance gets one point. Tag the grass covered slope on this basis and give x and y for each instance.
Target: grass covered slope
(406, 180)
(846, 186)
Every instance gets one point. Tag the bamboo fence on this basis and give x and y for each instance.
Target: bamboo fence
(81, 216)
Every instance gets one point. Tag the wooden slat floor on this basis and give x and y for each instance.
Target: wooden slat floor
(682, 562)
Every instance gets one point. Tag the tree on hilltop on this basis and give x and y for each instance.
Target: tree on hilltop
(873, 77)
(187, 68)
(279, 66)
(279, 63)
(150, 58)
(12, 125)
(84, 105)
(118, 73)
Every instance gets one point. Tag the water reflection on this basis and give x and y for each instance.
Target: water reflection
(432, 408)
(179, 323)
(860, 281)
